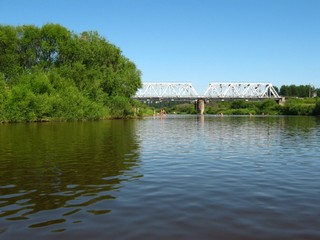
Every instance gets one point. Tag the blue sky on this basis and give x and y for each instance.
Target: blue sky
(197, 41)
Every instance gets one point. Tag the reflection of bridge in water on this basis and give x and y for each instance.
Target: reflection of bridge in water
(153, 91)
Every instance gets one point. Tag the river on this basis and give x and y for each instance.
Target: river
(179, 177)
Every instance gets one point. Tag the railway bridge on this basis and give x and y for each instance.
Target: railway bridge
(156, 91)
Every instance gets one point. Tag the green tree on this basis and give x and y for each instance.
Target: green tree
(237, 104)
(9, 58)
(3, 96)
(297, 91)
(51, 72)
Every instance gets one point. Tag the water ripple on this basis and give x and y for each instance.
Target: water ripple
(183, 177)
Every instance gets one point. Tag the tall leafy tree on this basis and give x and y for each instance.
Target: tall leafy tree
(38, 64)
(9, 58)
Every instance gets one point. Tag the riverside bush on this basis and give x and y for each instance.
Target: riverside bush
(299, 106)
(316, 110)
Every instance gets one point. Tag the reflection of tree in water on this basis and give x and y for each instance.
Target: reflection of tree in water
(70, 165)
(299, 124)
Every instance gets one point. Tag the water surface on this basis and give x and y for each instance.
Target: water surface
(180, 177)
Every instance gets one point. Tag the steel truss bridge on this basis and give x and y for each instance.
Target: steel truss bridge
(153, 91)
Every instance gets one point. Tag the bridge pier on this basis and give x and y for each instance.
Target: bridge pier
(199, 106)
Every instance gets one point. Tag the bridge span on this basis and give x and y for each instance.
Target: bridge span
(153, 91)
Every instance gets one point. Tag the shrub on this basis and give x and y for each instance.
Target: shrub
(316, 110)
(300, 109)
(238, 104)
(120, 106)
(242, 111)
(185, 108)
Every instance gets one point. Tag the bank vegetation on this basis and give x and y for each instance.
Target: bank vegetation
(51, 73)
(292, 106)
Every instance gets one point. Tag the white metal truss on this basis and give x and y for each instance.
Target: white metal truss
(166, 90)
(241, 90)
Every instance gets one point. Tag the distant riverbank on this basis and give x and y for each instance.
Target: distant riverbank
(292, 106)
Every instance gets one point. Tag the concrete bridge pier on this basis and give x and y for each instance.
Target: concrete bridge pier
(199, 106)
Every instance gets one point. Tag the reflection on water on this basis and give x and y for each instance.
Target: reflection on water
(63, 169)
(179, 177)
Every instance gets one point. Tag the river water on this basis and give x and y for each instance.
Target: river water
(180, 177)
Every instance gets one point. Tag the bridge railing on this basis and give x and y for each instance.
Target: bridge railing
(241, 90)
(166, 90)
(185, 91)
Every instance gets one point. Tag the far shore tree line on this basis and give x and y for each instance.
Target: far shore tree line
(301, 91)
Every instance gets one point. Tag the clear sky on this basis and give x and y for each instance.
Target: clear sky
(197, 41)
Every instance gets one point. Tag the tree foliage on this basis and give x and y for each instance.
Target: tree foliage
(297, 106)
(316, 110)
(50, 72)
(297, 91)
